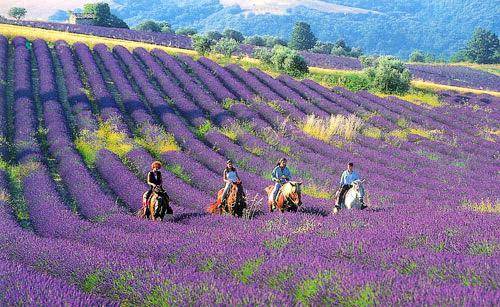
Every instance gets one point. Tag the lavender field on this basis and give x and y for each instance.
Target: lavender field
(79, 128)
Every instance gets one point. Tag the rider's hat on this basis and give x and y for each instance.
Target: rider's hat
(229, 161)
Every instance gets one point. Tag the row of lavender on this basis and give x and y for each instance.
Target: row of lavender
(348, 270)
(443, 74)
(164, 39)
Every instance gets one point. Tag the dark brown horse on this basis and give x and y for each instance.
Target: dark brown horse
(158, 206)
(289, 197)
(235, 202)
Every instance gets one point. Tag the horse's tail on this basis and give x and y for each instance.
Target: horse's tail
(213, 208)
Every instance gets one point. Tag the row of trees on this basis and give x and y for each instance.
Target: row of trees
(482, 48)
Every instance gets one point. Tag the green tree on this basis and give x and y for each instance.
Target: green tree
(236, 35)
(202, 44)
(17, 12)
(271, 41)
(302, 37)
(165, 27)
(226, 46)
(320, 47)
(483, 47)
(103, 16)
(289, 61)
(417, 56)
(214, 36)
(389, 75)
(263, 54)
(186, 31)
(255, 40)
(149, 26)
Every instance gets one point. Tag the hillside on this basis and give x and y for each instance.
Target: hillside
(397, 27)
(81, 125)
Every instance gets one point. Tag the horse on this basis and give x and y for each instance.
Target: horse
(354, 197)
(159, 205)
(235, 202)
(289, 197)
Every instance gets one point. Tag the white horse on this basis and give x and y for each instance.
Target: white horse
(354, 197)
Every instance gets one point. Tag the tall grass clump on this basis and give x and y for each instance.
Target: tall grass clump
(346, 127)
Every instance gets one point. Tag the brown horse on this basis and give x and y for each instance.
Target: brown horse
(235, 202)
(289, 197)
(159, 205)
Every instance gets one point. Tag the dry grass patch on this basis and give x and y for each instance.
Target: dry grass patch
(339, 125)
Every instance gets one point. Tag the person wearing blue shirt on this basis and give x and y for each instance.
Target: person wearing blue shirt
(281, 175)
(230, 176)
(348, 176)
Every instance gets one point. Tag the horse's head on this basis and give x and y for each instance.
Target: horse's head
(292, 191)
(358, 187)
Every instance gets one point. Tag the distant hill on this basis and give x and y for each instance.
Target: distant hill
(388, 27)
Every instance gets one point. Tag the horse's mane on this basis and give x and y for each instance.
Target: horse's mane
(288, 189)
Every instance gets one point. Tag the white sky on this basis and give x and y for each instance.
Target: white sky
(42, 9)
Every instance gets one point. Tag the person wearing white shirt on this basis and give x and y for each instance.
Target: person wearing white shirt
(348, 176)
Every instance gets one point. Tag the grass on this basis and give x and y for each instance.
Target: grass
(418, 96)
(315, 191)
(310, 287)
(88, 143)
(346, 127)
(486, 206)
(434, 87)
(156, 140)
(248, 269)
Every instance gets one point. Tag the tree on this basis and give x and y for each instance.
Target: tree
(226, 46)
(17, 12)
(263, 54)
(482, 47)
(271, 41)
(255, 40)
(202, 44)
(302, 37)
(236, 35)
(287, 60)
(417, 56)
(103, 16)
(320, 47)
(214, 36)
(149, 26)
(186, 31)
(389, 75)
(165, 27)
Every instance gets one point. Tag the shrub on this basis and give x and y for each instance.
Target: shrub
(255, 40)
(287, 60)
(233, 34)
(226, 46)
(389, 76)
(186, 31)
(202, 44)
(263, 54)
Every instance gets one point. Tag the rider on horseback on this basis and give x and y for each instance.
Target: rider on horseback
(348, 176)
(230, 176)
(153, 179)
(281, 175)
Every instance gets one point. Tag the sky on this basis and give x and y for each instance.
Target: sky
(42, 9)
